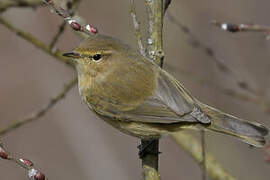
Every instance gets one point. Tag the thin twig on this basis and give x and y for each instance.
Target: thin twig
(73, 22)
(20, 3)
(260, 101)
(58, 34)
(223, 67)
(194, 149)
(215, 172)
(36, 115)
(28, 165)
(73, 8)
(204, 175)
(137, 28)
(36, 42)
(235, 28)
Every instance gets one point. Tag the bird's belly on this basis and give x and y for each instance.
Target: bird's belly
(146, 131)
(136, 129)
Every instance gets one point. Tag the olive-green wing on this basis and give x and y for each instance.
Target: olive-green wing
(170, 103)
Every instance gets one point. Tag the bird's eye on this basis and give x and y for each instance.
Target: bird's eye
(96, 57)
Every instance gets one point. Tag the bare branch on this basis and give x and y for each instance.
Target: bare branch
(155, 52)
(150, 173)
(58, 34)
(28, 165)
(155, 42)
(235, 28)
(212, 167)
(37, 43)
(36, 115)
(73, 22)
(261, 101)
(196, 43)
(20, 3)
(194, 149)
(137, 28)
(72, 6)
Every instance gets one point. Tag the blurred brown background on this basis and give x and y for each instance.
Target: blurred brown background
(70, 143)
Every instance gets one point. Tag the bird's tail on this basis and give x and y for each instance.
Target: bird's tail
(252, 133)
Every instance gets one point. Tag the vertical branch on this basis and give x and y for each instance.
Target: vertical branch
(155, 24)
(137, 28)
(155, 52)
(150, 159)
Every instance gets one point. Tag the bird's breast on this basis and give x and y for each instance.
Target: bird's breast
(120, 89)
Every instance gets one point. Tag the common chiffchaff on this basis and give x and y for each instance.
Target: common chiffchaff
(136, 96)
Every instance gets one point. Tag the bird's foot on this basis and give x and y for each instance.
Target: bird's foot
(147, 148)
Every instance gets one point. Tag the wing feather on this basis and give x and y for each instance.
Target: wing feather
(171, 103)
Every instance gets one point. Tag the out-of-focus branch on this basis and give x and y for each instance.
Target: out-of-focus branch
(137, 28)
(60, 31)
(4, 5)
(194, 149)
(262, 102)
(221, 65)
(234, 28)
(33, 173)
(37, 43)
(196, 43)
(203, 162)
(36, 115)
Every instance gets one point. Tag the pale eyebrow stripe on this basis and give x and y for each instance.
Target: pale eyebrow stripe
(86, 54)
(92, 52)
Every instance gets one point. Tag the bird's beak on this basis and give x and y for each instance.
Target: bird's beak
(72, 55)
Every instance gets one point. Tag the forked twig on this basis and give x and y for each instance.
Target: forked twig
(72, 7)
(28, 165)
(73, 22)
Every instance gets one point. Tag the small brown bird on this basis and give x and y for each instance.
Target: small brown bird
(133, 94)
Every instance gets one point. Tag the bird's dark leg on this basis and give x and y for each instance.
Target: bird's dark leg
(148, 147)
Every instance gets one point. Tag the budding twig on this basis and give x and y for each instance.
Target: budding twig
(260, 101)
(73, 22)
(223, 67)
(203, 163)
(71, 6)
(28, 165)
(235, 28)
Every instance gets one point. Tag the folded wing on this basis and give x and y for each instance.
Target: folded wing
(171, 103)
